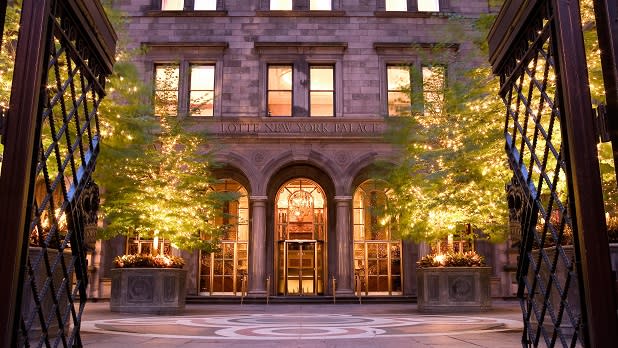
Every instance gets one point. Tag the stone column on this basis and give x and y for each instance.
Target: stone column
(257, 247)
(344, 246)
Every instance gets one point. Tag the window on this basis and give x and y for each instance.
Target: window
(172, 5)
(434, 78)
(281, 5)
(428, 5)
(205, 5)
(321, 90)
(196, 98)
(398, 90)
(397, 5)
(202, 90)
(166, 90)
(320, 5)
(280, 90)
(377, 253)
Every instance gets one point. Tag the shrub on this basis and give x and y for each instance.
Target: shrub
(148, 261)
(452, 259)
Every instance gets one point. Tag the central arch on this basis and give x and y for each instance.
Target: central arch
(300, 225)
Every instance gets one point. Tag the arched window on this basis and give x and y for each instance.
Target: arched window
(224, 272)
(377, 254)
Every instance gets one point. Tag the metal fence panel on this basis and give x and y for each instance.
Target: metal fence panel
(563, 272)
(64, 52)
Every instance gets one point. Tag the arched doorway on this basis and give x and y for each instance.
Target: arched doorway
(300, 238)
(222, 272)
(377, 254)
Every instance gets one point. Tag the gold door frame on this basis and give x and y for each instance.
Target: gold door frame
(286, 233)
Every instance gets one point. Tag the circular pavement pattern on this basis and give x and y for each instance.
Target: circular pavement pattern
(297, 326)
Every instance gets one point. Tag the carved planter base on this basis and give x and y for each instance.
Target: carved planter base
(453, 289)
(148, 290)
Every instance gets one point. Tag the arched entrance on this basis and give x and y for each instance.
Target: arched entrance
(300, 238)
(377, 254)
(223, 272)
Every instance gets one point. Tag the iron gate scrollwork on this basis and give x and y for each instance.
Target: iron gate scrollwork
(64, 52)
(564, 276)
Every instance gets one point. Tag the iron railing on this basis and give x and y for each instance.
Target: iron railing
(64, 52)
(564, 274)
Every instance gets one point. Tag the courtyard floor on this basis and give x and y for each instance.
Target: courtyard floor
(303, 325)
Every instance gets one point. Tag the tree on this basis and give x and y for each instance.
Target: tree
(453, 168)
(156, 175)
(7, 57)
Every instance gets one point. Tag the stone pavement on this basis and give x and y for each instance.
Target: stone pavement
(303, 325)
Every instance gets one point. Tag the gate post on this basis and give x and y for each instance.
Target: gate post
(585, 178)
(20, 138)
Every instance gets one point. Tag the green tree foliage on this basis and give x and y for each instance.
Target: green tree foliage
(453, 168)
(155, 175)
(7, 57)
(597, 91)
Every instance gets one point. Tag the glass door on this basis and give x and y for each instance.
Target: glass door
(300, 232)
(301, 268)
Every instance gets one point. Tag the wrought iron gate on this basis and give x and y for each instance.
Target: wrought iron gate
(51, 136)
(565, 281)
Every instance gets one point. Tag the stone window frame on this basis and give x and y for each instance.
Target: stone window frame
(412, 8)
(185, 55)
(301, 55)
(301, 7)
(412, 54)
(155, 10)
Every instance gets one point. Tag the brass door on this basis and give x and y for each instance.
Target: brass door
(301, 271)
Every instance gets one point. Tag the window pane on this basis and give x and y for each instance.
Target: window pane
(429, 5)
(201, 103)
(205, 5)
(203, 77)
(280, 77)
(321, 78)
(398, 78)
(172, 5)
(280, 4)
(320, 5)
(322, 103)
(398, 103)
(396, 5)
(433, 89)
(166, 90)
(280, 103)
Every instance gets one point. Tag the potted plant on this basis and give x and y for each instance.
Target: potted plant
(453, 281)
(148, 284)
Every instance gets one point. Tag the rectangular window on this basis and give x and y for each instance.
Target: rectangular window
(281, 5)
(320, 5)
(434, 78)
(172, 5)
(399, 88)
(280, 90)
(205, 5)
(321, 90)
(202, 90)
(428, 5)
(396, 5)
(166, 90)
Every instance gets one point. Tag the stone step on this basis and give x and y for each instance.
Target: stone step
(298, 299)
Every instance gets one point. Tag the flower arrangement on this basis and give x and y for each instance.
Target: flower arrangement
(148, 261)
(452, 259)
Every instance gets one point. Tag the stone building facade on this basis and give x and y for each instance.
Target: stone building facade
(297, 94)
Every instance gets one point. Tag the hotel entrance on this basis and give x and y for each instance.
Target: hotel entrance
(300, 225)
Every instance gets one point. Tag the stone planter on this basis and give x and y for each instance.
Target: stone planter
(453, 289)
(148, 290)
(613, 256)
(561, 274)
(28, 308)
